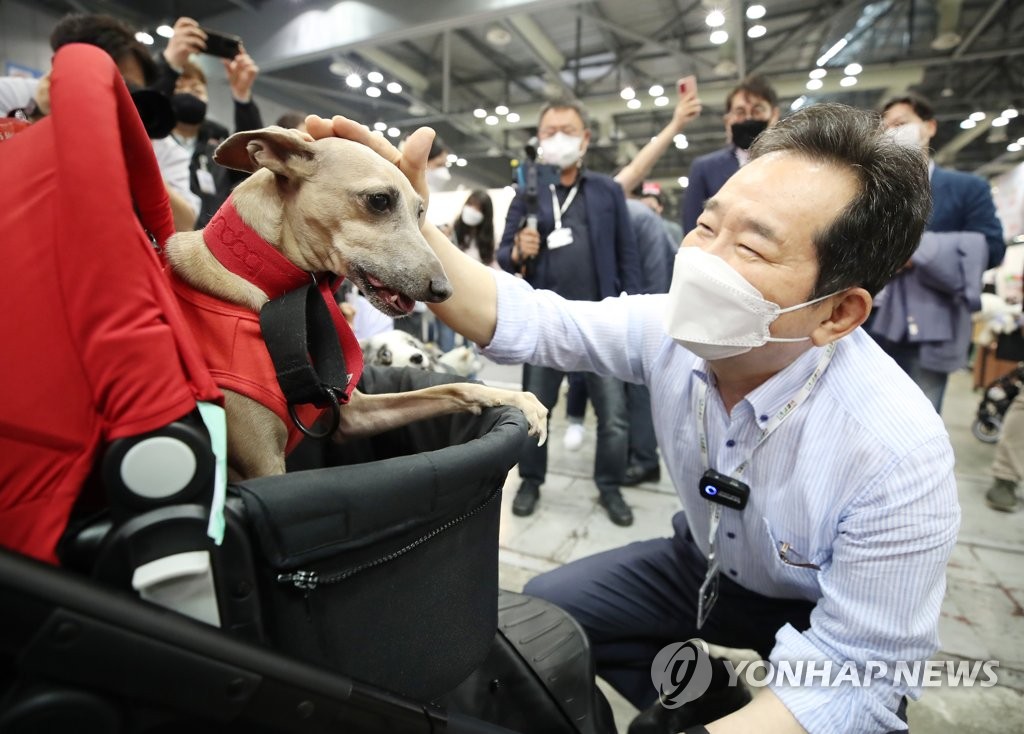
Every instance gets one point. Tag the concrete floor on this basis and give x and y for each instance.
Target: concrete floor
(982, 616)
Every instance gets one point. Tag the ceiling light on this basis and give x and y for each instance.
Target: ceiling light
(853, 69)
(372, 92)
(1010, 113)
(968, 124)
(382, 126)
(755, 11)
(491, 120)
(681, 142)
(512, 117)
(715, 19)
(756, 31)
(813, 84)
(947, 92)
(946, 41)
(627, 93)
(394, 87)
(977, 116)
(480, 113)
(338, 68)
(394, 132)
(683, 181)
(1020, 140)
(1014, 147)
(817, 73)
(451, 158)
(836, 48)
(656, 90)
(501, 110)
(660, 101)
(718, 37)
(354, 80)
(417, 110)
(143, 37)
(633, 104)
(375, 77)
(1000, 122)
(798, 102)
(461, 162)
(497, 36)
(165, 31)
(847, 81)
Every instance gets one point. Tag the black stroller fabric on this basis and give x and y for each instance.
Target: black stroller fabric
(387, 570)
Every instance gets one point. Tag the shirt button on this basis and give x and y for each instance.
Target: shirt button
(730, 534)
(763, 418)
(730, 443)
(732, 571)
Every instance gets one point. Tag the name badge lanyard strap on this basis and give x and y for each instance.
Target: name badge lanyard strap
(775, 422)
(560, 210)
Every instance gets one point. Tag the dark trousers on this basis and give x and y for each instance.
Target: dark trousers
(634, 600)
(608, 397)
(643, 446)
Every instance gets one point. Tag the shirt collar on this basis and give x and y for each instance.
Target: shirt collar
(769, 398)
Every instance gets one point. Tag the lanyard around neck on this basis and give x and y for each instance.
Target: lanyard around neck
(560, 210)
(775, 422)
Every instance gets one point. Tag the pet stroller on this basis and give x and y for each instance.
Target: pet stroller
(995, 401)
(357, 599)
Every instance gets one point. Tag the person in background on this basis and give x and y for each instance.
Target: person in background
(439, 177)
(1008, 465)
(583, 247)
(651, 195)
(194, 135)
(292, 120)
(923, 317)
(750, 108)
(473, 233)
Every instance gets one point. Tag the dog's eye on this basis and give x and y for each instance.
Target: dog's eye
(380, 202)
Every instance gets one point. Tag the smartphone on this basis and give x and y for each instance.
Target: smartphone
(222, 44)
(687, 84)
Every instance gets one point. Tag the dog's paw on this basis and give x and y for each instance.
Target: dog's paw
(536, 414)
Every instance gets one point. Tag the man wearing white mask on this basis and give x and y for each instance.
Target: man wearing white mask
(577, 240)
(923, 318)
(820, 505)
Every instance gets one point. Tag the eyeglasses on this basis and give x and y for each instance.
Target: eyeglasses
(547, 132)
(756, 112)
(789, 556)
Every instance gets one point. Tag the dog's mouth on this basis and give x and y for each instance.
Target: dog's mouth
(387, 299)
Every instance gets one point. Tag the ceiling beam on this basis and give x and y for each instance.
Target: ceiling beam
(981, 25)
(553, 73)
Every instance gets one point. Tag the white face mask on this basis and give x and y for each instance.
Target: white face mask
(438, 177)
(472, 217)
(908, 134)
(714, 312)
(561, 150)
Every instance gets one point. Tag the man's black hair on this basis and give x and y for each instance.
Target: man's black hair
(112, 35)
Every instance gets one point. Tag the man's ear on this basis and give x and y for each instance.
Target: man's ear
(287, 153)
(849, 310)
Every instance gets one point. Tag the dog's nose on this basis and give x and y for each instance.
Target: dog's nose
(440, 289)
(416, 359)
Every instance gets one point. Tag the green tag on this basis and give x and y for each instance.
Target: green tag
(217, 424)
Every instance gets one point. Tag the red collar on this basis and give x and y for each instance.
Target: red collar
(239, 249)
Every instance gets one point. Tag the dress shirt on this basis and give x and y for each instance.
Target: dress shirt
(858, 480)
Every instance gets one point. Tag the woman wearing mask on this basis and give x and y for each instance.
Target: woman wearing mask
(473, 233)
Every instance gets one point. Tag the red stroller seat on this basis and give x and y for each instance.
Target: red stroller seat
(95, 347)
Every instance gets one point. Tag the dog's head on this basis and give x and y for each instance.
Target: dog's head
(343, 209)
(398, 349)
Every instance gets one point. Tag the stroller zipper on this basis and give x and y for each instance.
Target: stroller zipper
(306, 581)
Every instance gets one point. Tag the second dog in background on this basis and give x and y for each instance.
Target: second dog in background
(397, 348)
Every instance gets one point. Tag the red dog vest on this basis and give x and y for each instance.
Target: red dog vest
(230, 335)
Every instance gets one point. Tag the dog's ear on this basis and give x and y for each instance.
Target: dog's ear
(287, 153)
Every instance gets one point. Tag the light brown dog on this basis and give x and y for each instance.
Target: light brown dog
(331, 206)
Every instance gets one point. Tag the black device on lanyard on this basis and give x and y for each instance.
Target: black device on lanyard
(724, 490)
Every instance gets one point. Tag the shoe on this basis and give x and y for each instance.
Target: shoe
(617, 509)
(573, 438)
(1002, 496)
(713, 705)
(636, 474)
(526, 499)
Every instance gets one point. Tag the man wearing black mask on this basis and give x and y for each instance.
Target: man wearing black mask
(750, 108)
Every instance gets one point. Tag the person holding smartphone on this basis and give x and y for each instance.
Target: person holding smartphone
(195, 138)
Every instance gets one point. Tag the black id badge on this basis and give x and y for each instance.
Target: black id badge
(724, 490)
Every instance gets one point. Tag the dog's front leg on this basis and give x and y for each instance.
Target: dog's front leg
(368, 415)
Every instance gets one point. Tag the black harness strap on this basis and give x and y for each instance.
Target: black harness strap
(303, 344)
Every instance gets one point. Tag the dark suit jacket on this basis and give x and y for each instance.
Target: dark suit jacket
(962, 202)
(707, 174)
(612, 243)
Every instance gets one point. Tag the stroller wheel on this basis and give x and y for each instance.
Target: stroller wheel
(987, 429)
